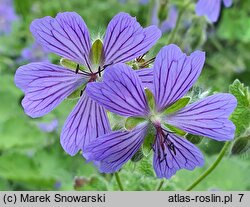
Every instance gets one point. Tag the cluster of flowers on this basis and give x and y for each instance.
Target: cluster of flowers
(107, 83)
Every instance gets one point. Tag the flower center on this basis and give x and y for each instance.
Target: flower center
(93, 77)
(155, 119)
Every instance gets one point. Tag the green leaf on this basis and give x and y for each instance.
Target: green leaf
(181, 103)
(20, 137)
(43, 168)
(132, 122)
(145, 167)
(241, 115)
(17, 130)
(96, 52)
(232, 19)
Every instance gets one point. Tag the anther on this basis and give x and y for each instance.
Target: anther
(77, 68)
(99, 71)
(81, 92)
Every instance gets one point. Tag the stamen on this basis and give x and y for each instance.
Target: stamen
(89, 66)
(103, 68)
(84, 72)
(99, 71)
(77, 68)
(81, 92)
(147, 62)
(140, 57)
(108, 65)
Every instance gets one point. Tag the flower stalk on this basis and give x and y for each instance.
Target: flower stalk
(118, 180)
(211, 168)
(182, 10)
(160, 185)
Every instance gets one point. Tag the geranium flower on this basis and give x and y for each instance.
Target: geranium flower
(122, 93)
(7, 16)
(48, 126)
(168, 24)
(211, 8)
(34, 53)
(46, 85)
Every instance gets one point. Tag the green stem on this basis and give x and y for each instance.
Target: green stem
(217, 44)
(160, 185)
(211, 168)
(118, 180)
(181, 12)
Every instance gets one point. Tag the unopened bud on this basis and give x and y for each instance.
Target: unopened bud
(241, 145)
(162, 12)
(137, 156)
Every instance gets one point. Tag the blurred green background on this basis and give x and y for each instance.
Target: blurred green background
(31, 157)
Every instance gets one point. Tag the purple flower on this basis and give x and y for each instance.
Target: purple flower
(57, 185)
(46, 85)
(34, 53)
(48, 127)
(169, 23)
(211, 8)
(174, 74)
(7, 16)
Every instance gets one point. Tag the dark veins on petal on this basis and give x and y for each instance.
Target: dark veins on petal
(66, 35)
(172, 153)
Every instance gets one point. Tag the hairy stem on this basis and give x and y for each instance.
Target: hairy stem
(211, 168)
(181, 12)
(118, 180)
(160, 185)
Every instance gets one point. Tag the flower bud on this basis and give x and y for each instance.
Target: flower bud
(137, 156)
(163, 12)
(241, 145)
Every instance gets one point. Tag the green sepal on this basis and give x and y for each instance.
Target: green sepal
(148, 140)
(66, 63)
(132, 122)
(175, 130)
(117, 122)
(150, 99)
(241, 145)
(76, 94)
(96, 52)
(195, 139)
(181, 103)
